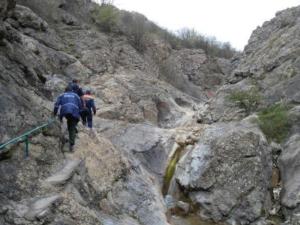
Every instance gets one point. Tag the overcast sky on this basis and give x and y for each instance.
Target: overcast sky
(227, 20)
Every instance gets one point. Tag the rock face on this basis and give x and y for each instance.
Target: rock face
(227, 174)
(288, 163)
(271, 57)
(202, 75)
(270, 63)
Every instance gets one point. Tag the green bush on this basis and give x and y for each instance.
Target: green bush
(274, 122)
(137, 28)
(106, 16)
(247, 100)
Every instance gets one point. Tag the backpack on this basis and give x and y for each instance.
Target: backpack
(75, 88)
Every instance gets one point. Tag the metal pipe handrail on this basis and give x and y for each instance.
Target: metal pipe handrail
(25, 137)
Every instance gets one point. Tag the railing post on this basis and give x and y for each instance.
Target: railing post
(26, 147)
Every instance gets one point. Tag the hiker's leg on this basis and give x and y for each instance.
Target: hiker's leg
(72, 130)
(83, 117)
(90, 120)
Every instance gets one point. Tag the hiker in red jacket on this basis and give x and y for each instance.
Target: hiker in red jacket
(89, 109)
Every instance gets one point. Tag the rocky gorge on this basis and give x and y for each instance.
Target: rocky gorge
(180, 136)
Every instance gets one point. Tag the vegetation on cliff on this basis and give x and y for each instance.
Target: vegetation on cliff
(274, 122)
(138, 28)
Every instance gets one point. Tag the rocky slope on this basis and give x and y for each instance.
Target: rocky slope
(149, 104)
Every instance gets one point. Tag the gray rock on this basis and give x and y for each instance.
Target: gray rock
(56, 85)
(6, 6)
(27, 18)
(64, 174)
(288, 163)
(139, 196)
(185, 207)
(192, 72)
(148, 144)
(121, 220)
(228, 172)
(220, 108)
(270, 57)
(40, 207)
(77, 70)
(294, 117)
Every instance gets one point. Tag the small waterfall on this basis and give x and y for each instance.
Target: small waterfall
(180, 208)
(170, 170)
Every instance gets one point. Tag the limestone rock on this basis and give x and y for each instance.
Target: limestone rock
(271, 57)
(40, 207)
(63, 175)
(144, 100)
(27, 18)
(5, 7)
(288, 163)
(148, 144)
(228, 173)
(192, 72)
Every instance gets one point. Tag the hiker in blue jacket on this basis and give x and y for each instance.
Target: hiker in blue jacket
(70, 106)
(75, 87)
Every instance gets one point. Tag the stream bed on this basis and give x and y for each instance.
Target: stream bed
(190, 220)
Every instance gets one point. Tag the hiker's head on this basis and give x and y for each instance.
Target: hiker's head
(88, 92)
(76, 81)
(68, 88)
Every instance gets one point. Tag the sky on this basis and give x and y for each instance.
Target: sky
(228, 20)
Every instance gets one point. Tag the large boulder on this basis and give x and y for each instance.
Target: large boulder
(289, 163)
(227, 174)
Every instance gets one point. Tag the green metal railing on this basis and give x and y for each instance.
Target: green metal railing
(25, 138)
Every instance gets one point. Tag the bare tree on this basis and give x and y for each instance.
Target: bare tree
(107, 2)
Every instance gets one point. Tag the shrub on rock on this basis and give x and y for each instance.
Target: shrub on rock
(274, 122)
(106, 16)
(247, 100)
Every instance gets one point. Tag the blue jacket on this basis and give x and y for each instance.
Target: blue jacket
(69, 103)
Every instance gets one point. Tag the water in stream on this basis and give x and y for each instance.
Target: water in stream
(189, 220)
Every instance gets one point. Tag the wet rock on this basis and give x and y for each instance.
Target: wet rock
(169, 201)
(185, 207)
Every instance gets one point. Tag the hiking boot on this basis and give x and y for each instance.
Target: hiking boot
(71, 148)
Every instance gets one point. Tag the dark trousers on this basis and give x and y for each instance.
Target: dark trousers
(87, 118)
(72, 123)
